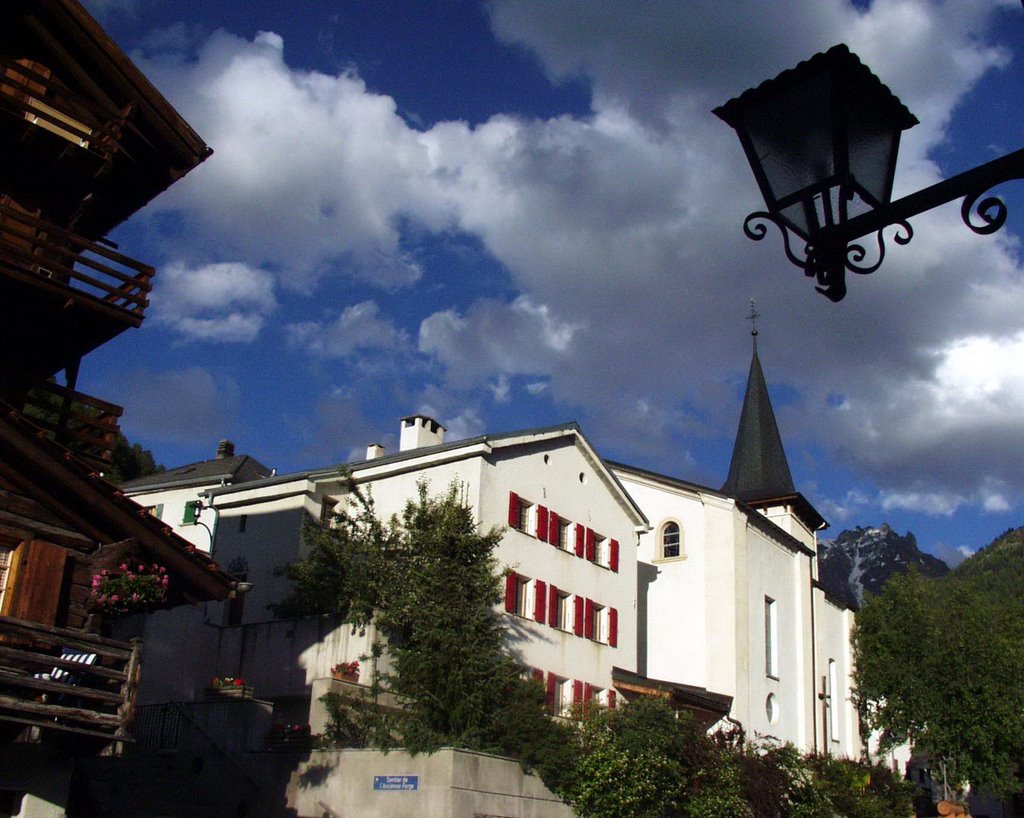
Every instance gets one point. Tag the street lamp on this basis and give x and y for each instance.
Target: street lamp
(822, 140)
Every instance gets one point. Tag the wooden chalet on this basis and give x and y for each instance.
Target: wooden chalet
(85, 141)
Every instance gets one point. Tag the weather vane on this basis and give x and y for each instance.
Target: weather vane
(752, 318)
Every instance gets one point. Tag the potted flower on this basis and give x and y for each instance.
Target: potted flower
(346, 671)
(133, 586)
(230, 687)
(289, 736)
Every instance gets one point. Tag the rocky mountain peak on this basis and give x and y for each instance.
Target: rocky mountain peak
(862, 559)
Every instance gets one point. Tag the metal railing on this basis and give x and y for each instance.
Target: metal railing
(99, 699)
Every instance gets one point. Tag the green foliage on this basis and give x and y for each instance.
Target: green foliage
(131, 461)
(347, 568)
(938, 663)
(429, 581)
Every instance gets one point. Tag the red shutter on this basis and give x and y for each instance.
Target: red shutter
(542, 523)
(590, 544)
(553, 606)
(551, 686)
(577, 691)
(513, 510)
(611, 699)
(577, 619)
(613, 627)
(540, 602)
(538, 674)
(510, 592)
(588, 619)
(613, 555)
(554, 527)
(579, 540)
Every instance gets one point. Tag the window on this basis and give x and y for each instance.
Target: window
(830, 693)
(243, 520)
(600, 550)
(563, 697)
(560, 610)
(771, 708)
(600, 630)
(520, 513)
(771, 638)
(670, 540)
(563, 535)
(191, 512)
(157, 510)
(5, 564)
(522, 596)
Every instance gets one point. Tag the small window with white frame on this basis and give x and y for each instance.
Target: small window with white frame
(670, 545)
(601, 550)
(771, 638)
(524, 596)
(563, 698)
(561, 616)
(600, 623)
(564, 527)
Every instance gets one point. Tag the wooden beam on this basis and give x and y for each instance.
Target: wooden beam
(56, 711)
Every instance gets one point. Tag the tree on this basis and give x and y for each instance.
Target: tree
(938, 664)
(430, 582)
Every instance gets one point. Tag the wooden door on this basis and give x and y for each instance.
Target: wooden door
(35, 582)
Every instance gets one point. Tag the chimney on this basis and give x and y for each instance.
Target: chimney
(419, 431)
(225, 449)
(373, 451)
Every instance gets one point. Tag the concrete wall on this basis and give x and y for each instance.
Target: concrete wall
(42, 773)
(448, 784)
(173, 511)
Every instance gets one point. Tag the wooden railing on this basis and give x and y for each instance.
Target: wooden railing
(36, 250)
(28, 91)
(86, 425)
(100, 704)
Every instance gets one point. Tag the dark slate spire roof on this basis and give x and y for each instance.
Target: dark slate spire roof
(759, 469)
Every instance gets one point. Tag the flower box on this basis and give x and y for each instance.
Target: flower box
(340, 676)
(239, 691)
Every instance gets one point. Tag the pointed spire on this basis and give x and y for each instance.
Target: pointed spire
(759, 469)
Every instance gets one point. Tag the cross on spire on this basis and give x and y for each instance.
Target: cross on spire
(752, 318)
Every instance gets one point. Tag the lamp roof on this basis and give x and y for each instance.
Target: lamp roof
(843, 64)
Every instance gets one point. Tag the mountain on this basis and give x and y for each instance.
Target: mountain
(862, 559)
(998, 567)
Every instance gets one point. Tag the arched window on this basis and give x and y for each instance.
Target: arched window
(671, 540)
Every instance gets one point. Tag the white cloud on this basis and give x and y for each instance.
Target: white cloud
(621, 234)
(493, 338)
(228, 301)
(359, 327)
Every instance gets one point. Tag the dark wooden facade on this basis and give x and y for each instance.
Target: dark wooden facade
(85, 141)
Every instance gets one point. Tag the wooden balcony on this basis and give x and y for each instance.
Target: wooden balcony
(98, 705)
(86, 425)
(29, 91)
(39, 252)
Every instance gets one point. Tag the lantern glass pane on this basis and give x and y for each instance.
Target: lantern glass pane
(791, 133)
(873, 146)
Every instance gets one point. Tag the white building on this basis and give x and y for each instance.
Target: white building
(620, 582)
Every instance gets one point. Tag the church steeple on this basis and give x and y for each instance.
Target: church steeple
(759, 469)
(759, 472)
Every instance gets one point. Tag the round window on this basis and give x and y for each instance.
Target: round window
(771, 708)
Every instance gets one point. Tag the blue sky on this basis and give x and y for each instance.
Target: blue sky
(510, 215)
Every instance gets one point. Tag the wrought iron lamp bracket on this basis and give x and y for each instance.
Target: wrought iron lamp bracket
(838, 248)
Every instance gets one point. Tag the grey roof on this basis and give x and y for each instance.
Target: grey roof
(235, 469)
(759, 469)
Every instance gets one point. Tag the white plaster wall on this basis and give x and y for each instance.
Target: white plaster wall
(173, 501)
(450, 784)
(774, 571)
(833, 627)
(677, 645)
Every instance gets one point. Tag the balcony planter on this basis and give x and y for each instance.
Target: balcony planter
(346, 672)
(289, 737)
(229, 687)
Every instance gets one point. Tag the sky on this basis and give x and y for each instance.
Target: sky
(515, 214)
